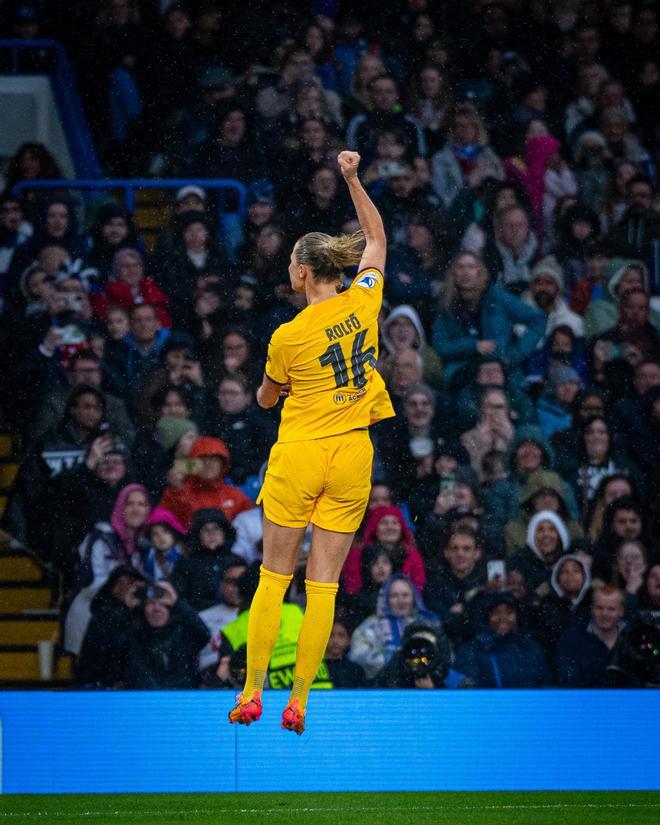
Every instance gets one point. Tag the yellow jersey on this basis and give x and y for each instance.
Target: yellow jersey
(328, 354)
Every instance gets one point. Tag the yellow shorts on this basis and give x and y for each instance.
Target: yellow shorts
(324, 480)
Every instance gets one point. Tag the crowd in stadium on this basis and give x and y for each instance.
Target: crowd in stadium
(512, 149)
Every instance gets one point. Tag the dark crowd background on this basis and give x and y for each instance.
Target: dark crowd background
(511, 538)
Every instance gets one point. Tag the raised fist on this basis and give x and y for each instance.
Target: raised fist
(348, 163)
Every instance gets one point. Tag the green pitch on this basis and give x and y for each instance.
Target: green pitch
(582, 808)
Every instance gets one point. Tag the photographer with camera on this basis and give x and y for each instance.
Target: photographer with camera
(164, 642)
(422, 662)
(104, 651)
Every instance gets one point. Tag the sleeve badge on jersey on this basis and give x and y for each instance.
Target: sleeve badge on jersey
(368, 281)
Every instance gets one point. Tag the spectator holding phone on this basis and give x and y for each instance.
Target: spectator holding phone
(494, 430)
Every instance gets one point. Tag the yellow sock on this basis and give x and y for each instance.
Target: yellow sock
(263, 627)
(314, 635)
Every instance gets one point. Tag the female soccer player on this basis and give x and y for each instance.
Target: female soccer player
(324, 364)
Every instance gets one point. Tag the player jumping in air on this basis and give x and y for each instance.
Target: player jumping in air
(324, 364)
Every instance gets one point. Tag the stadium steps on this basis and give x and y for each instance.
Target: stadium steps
(28, 628)
(153, 212)
(20, 663)
(8, 467)
(27, 616)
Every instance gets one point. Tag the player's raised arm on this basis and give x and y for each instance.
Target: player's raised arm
(370, 221)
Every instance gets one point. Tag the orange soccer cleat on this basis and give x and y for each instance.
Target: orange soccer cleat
(293, 718)
(246, 711)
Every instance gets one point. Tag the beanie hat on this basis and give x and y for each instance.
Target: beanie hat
(549, 266)
(162, 516)
(561, 375)
(170, 429)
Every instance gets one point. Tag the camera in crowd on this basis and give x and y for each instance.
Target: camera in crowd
(636, 658)
(420, 654)
(151, 590)
(424, 652)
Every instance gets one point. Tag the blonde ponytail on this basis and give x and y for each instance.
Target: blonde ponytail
(329, 255)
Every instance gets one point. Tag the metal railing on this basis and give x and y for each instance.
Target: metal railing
(129, 187)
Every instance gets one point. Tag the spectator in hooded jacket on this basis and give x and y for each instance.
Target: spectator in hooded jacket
(165, 537)
(196, 576)
(386, 527)
(103, 656)
(543, 490)
(547, 179)
(401, 330)
(377, 638)
(206, 486)
(568, 603)
(633, 338)
(107, 546)
(560, 350)
(620, 275)
(501, 656)
(547, 540)
(557, 400)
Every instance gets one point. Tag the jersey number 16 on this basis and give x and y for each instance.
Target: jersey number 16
(334, 357)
